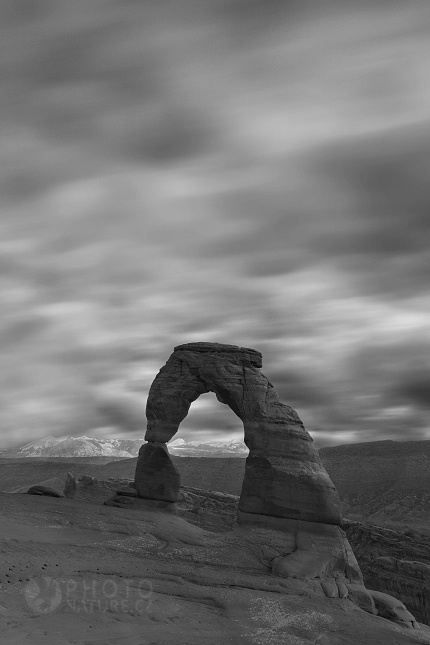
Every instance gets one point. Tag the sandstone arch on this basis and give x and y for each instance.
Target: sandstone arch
(284, 476)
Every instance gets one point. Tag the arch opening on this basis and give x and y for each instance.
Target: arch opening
(212, 423)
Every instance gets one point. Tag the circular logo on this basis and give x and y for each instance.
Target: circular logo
(43, 596)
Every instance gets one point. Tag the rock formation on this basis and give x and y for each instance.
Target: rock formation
(288, 505)
(89, 488)
(156, 476)
(43, 490)
(392, 609)
(284, 476)
(394, 563)
(70, 486)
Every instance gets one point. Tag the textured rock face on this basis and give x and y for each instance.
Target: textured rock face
(70, 486)
(156, 476)
(394, 563)
(284, 476)
(392, 609)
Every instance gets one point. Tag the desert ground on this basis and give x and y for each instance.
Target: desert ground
(76, 571)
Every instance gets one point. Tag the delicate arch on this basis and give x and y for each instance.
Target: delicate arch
(284, 476)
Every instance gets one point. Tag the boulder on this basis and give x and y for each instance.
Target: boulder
(90, 489)
(44, 490)
(392, 609)
(156, 476)
(70, 486)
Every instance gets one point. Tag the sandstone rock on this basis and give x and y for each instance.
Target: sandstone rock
(90, 489)
(330, 588)
(393, 609)
(394, 563)
(308, 549)
(342, 589)
(172, 585)
(289, 510)
(284, 476)
(212, 510)
(127, 493)
(361, 597)
(44, 490)
(156, 475)
(70, 486)
(88, 481)
(140, 504)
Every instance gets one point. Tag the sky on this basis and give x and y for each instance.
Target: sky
(238, 171)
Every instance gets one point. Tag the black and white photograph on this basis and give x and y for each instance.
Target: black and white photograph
(215, 322)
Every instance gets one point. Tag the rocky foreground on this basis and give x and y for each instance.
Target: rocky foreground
(78, 571)
(395, 563)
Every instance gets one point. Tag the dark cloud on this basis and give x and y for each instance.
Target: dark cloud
(22, 329)
(299, 389)
(414, 389)
(385, 178)
(122, 410)
(172, 134)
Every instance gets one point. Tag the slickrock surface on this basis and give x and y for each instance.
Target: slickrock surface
(74, 573)
(390, 561)
(284, 476)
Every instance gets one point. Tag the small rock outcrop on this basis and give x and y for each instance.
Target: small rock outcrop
(44, 490)
(88, 488)
(70, 486)
(392, 609)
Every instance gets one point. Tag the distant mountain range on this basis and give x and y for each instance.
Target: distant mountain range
(90, 447)
(76, 447)
(182, 448)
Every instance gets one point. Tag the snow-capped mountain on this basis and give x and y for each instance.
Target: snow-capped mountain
(90, 447)
(183, 448)
(78, 447)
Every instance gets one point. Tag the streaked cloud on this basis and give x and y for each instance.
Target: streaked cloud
(242, 172)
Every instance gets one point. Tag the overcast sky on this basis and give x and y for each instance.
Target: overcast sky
(254, 172)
